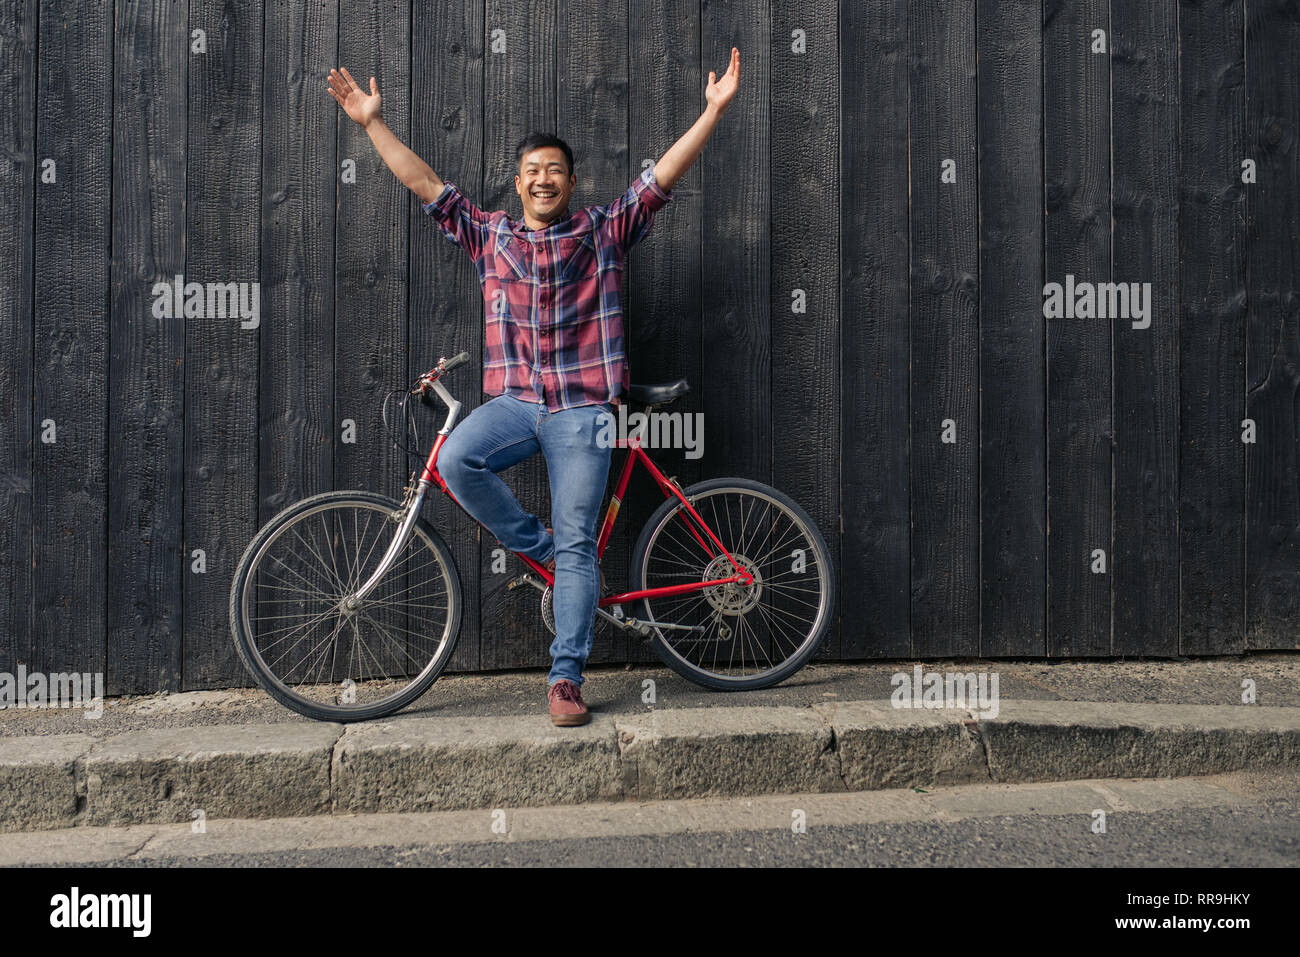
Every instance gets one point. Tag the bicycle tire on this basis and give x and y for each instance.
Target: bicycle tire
(664, 649)
(270, 683)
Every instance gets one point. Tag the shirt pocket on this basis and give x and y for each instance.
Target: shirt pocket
(579, 258)
(510, 257)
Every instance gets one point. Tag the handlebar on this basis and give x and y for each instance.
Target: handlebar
(426, 381)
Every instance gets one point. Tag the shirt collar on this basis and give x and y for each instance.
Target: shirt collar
(519, 229)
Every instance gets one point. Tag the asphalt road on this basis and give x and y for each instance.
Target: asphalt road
(1241, 820)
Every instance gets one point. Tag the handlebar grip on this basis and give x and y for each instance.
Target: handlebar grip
(452, 363)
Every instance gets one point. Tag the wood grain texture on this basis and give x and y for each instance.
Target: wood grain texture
(944, 303)
(299, 182)
(19, 23)
(299, 175)
(1076, 162)
(1144, 114)
(804, 171)
(662, 304)
(1211, 335)
(875, 592)
(1273, 325)
(446, 302)
(223, 181)
(371, 231)
(370, 258)
(1013, 375)
(1073, 434)
(146, 367)
(736, 235)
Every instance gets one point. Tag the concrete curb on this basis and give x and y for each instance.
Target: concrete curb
(424, 764)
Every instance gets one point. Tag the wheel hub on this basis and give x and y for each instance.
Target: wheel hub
(733, 598)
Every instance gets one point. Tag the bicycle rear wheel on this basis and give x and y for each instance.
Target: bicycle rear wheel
(735, 637)
(294, 628)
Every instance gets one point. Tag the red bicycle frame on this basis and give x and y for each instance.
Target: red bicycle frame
(669, 487)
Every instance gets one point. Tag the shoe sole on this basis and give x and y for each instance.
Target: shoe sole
(569, 720)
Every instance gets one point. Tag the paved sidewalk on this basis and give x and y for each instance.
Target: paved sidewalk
(485, 741)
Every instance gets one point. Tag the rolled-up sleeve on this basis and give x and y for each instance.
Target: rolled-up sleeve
(460, 220)
(629, 218)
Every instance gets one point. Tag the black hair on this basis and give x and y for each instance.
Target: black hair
(536, 140)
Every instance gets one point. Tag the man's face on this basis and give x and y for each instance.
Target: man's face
(544, 183)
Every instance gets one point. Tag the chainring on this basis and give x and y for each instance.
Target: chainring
(548, 612)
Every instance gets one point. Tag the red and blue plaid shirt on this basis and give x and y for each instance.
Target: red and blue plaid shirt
(552, 296)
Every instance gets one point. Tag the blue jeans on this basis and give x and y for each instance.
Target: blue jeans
(503, 432)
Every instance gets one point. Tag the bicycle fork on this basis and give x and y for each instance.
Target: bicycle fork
(413, 500)
(412, 504)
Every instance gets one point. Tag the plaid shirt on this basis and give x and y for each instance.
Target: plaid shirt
(552, 296)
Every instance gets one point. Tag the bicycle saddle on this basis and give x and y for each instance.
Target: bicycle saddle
(658, 394)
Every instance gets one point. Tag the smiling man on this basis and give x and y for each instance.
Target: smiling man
(555, 359)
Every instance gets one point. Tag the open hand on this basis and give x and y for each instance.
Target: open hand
(361, 106)
(719, 93)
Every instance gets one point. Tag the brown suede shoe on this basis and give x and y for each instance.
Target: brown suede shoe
(567, 709)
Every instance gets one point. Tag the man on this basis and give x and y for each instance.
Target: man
(555, 357)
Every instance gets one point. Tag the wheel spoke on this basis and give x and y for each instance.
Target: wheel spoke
(303, 640)
(778, 616)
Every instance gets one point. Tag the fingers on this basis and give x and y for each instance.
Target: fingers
(339, 86)
(712, 78)
(352, 84)
(734, 68)
(374, 87)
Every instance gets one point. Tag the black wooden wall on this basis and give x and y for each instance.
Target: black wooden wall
(129, 442)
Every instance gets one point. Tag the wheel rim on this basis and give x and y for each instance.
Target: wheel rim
(750, 631)
(316, 647)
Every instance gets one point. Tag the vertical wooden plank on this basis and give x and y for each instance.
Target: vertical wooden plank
(446, 315)
(737, 331)
(520, 83)
(146, 368)
(1144, 117)
(70, 499)
(805, 255)
(737, 268)
(1013, 375)
(18, 174)
(296, 401)
(944, 297)
(370, 262)
(1211, 335)
(1273, 325)
(1076, 160)
(661, 281)
(222, 230)
(370, 270)
(299, 177)
(874, 600)
(592, 108)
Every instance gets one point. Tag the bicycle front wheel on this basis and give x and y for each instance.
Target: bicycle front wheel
(322, 655)
(735, 637)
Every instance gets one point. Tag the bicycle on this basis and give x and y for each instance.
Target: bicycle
(332, 617)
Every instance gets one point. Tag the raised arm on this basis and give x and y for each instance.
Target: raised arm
(673, 165)
(414, 173)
